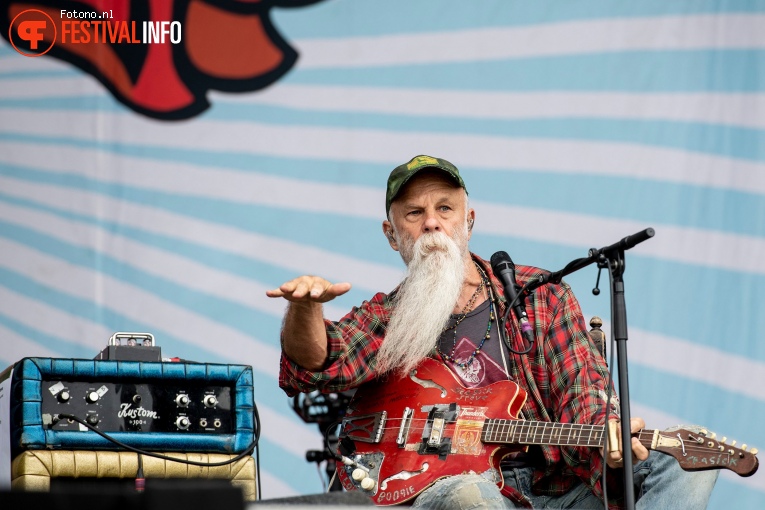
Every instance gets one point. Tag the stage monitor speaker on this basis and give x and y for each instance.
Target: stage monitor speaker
(159, 495)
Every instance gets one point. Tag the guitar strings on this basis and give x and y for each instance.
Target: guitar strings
(642, 435)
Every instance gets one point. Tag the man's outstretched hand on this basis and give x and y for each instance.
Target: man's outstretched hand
(305, 289)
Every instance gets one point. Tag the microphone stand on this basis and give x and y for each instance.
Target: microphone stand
(613, 258)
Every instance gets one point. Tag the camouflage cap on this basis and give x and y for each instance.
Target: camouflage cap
(402, 173)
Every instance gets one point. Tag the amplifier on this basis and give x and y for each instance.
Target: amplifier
(159, 406)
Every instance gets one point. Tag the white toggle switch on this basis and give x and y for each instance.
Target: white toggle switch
(368, 484)
(358, 474)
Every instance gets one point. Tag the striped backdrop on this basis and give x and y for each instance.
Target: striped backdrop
(574, 124)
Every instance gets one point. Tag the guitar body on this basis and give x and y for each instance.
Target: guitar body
(411, 431)
(402, 434)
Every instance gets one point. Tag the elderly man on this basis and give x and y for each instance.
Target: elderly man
(447, 308)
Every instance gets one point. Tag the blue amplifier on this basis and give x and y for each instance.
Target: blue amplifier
(151, 405)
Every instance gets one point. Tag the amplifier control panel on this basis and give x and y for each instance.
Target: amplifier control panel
(140, 407)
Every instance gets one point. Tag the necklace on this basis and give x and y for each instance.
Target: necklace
(450, 357)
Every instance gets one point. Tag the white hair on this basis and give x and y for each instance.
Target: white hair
(425, 299)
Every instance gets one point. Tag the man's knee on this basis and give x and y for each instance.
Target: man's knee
(462, 492)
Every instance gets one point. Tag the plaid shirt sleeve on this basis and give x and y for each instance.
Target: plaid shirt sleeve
(352, 344)
(578, 384)
(565, 379)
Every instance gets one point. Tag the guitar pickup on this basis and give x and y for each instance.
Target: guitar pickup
(367, 428)
(433, 441)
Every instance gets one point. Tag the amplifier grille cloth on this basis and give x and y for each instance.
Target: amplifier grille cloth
(33, 469)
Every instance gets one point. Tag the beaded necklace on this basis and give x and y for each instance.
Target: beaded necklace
(450, 357)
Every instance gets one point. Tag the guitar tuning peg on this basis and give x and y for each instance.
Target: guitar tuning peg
(712, 435)
(733, 443)
(704, 432)
(743, 446)
(723, 439)
(754, 451)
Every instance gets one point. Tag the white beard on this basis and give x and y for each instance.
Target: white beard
(425, 299)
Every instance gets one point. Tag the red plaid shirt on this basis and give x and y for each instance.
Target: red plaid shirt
(563, 375)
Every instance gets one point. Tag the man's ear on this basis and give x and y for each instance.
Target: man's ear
(388, 231)
(470, 222)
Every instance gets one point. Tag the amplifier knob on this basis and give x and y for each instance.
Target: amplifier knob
(64, 396)
(182, 422)
(92, 397)
(92, 419)
(210, 401)
(182, 400)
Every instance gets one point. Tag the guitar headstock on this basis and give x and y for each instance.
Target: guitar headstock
(702, 450)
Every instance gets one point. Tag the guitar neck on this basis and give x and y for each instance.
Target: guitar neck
(547, 433)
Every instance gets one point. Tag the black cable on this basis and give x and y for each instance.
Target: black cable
(609, 393)
(256, 432)
(252, 446)
(333, 425)
(140, 479)
(502, 333)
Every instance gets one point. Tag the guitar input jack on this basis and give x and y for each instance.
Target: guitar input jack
(216, 423)
(203, 422)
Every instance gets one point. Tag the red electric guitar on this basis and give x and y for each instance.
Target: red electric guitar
(411, 431)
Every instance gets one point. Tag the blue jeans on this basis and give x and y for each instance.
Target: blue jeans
(660, 484)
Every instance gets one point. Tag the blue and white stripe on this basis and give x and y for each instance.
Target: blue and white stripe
(574, 125)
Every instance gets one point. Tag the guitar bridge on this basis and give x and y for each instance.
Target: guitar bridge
(367, 428)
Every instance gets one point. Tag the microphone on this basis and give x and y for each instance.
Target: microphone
(503, 267)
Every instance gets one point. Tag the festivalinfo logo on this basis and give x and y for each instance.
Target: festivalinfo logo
(33, 32)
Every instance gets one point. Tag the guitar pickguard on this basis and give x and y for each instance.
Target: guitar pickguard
(467, 432)
(369, 462)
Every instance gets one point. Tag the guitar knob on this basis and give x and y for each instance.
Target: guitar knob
(358, 474)
(367, 484)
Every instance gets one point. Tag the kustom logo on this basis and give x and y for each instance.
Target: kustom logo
(127, 411)
(32, 33)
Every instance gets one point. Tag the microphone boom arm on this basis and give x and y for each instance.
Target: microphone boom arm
(612, 257)
(595, 255)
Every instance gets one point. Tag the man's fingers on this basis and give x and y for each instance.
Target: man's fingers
(338, 289)
(639, 452)
(301, 289)
(319, 288)
(309, 288)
